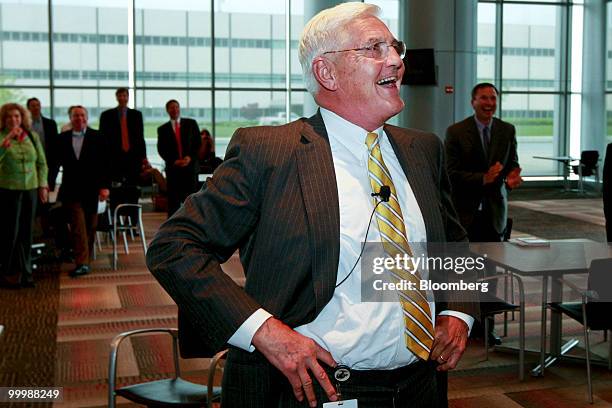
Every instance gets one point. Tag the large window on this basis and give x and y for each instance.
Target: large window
(524, 49)
(608, 72)
(229, 63)
(24, 50)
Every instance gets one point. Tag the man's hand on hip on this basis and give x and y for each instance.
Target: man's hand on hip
(295, 355)
(449, 342)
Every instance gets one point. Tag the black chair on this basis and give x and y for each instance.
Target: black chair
(587, 166)
(170, 392)
(490, 305)
(593, 311)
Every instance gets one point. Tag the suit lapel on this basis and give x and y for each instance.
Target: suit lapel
(320, 194)
(417, 171)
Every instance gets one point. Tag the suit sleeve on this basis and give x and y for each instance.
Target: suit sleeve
(41, 160)
(52, 141)
(141, 146)
(163, 147)
(187, 251)
(195, 142)
(55, 160)
(464, 302)
(103, 127)
(458, 176)
(104, 164)
(453, 229)
(513, 155)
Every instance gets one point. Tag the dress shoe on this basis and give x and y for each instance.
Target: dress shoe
(9, 285)
(28, 284)
(79, 271)
(494, 339)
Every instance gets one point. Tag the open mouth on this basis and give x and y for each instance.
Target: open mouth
(387, 81)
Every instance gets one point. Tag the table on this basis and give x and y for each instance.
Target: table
(563, 256)
(566, 163)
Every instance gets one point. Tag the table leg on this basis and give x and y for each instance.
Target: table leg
(556, 295)
(556, 349)
(539, 370)
(566, 185)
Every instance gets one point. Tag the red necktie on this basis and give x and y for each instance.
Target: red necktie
(125, 139)
(177, 133)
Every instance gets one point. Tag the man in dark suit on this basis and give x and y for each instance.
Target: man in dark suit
(178, 143)
(124, 130)
(482, 165)
(295, 200)
(47, 130)
(83, 155)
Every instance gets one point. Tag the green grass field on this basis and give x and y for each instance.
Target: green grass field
(224, 130)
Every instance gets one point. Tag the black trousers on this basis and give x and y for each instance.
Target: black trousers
(251, 382)
(178, 190)
(18, 209)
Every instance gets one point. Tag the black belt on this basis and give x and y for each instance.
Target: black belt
(379, 378)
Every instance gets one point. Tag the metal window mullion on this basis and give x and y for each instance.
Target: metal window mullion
(288, 59)
(564, 77)
(499, 44)
(212, 70)
(51, 65)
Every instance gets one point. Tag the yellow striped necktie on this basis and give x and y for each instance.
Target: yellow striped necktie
(418, 331)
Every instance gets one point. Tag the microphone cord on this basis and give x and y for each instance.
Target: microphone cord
(362, 245)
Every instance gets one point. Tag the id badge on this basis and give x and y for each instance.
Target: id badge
(341, 404)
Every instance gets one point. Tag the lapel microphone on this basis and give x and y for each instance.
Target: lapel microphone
(384, 193)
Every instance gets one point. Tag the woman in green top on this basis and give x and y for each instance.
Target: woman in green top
(23, 181)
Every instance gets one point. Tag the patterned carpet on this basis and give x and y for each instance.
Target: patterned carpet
(59, 332)
(96, 307)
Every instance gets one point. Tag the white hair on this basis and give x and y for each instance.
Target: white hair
(326, 31)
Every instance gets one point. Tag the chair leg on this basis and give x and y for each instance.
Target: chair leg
(142, 238)
(543, 324)
(522, 342)
(486, 337)
(506, 299)
(129, 223)
(114, 238)
(588, 364)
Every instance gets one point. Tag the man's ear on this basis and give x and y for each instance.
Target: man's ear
(324, 72)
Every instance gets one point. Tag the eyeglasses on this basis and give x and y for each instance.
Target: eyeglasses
(380, 50)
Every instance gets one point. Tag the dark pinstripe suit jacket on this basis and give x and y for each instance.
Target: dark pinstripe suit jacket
(275, 197)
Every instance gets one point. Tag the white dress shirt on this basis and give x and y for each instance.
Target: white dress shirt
(77, 142)
(359, 335)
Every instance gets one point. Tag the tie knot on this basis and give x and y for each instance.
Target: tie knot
(370, 139)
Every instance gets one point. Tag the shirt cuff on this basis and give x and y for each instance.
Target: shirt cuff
(469, 320)
(244, 335)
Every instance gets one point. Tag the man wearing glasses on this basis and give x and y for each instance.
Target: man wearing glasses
(295, 199)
